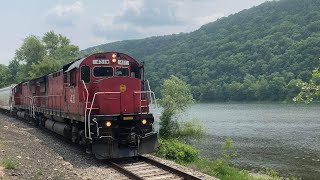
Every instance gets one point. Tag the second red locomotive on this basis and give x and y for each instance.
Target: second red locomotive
(100, 101)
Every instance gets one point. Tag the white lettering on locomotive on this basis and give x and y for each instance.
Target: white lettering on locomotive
(123, 62)
(72, 98)
(100, 61)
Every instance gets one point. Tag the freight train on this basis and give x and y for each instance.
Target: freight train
(101, 101)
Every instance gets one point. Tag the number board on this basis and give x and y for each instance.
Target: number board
(123, 62)
(100, 61)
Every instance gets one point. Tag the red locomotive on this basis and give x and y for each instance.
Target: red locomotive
(100, 101)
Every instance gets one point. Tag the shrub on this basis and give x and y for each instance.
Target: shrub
(228, 151)
(192, 129)
(9, 163)
(177, 151)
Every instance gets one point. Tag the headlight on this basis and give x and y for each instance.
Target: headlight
(108, 124)
(144, 121)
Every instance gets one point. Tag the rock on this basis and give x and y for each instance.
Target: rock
(68, 165)
(19, 157)
(14, 174)
(3, 151)
(1, 172)
(60, 157)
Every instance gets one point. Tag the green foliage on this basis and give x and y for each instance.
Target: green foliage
(228, 151)
(37, 57)
(177, 151)
(309, 90)
(9, 163)
(249, 56)
(193, 128)
(4, 75)
(176, 97)
(168, 126)
(271, 172)
(220, 170)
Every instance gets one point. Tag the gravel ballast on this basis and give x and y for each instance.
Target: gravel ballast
(40, 154)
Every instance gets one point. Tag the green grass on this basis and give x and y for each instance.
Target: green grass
(9, 163)
(219, 169)
(187, 155)
(177, 151)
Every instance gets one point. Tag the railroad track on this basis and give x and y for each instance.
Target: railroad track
(148, 169)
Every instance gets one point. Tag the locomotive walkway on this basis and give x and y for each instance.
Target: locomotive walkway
(40, 154)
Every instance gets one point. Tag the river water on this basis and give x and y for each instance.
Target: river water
(284, 137)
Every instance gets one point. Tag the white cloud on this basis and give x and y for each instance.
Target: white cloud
(64, 15)
(138, 19)
(64, 10)
(201, 20)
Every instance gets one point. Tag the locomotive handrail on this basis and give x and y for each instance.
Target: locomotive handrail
(24, 101)
(93, 99)
(152, 95)
(85, 110)
(47, 96)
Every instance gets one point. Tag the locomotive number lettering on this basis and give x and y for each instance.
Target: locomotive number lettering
(123, 62)
(100, 61)
(72, 98)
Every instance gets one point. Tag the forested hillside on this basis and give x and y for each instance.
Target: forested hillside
(257, 54)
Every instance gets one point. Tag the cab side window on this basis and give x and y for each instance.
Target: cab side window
(85, 74)
(72, 78)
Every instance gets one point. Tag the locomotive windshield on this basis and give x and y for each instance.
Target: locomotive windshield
(103, 71)
(122, 71)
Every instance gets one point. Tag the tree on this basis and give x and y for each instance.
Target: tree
(4, 76)
(176, 97)
(40, 56)
(217, 58)
(309, 90)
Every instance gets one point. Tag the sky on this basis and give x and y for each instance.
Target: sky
(90, 23)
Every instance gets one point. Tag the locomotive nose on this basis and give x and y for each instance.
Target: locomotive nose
(117, 95)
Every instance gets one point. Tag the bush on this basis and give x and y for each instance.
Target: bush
(228, 151)
(9, 164)
(177, 151)
(192, 129)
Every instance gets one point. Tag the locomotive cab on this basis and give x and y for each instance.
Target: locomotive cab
(114, 100)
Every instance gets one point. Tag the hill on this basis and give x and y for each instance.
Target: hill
(256, 54)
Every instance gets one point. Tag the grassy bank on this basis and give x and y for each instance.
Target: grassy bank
(221, 168)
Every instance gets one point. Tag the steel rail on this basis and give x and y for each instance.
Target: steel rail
(124, 171)
(155, 163)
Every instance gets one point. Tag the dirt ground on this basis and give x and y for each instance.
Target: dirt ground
(39, 154)
(42, 155)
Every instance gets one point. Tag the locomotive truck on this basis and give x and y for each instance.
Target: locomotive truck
(101, 102)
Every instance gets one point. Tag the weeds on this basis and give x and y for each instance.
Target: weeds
(193, 128)
(177, 151)
(9, 163)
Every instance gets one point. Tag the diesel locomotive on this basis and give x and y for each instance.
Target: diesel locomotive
(101, 101)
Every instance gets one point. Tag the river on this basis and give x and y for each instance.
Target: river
(284, 137)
